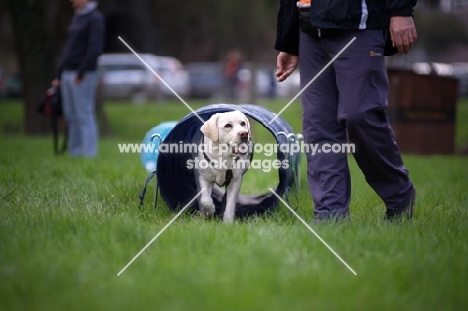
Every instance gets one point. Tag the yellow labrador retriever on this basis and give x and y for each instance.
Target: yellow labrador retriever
(226, 155)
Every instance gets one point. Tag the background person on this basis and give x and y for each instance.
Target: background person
(349, 98)
(77, 77)
(231, 73)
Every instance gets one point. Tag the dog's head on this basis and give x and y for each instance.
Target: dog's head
(232, 128)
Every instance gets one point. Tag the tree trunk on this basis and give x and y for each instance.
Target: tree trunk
(35, 57)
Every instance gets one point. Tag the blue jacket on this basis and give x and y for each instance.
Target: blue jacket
(340, 14)
(85, 41)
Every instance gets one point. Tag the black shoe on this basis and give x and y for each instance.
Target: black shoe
(406, 212)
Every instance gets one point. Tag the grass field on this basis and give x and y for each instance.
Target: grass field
(68, 226)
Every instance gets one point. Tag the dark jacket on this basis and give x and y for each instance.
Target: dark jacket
(85, 41)
(342, 14)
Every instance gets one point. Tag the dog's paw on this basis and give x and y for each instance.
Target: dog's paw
(203, 215)
(207, 211)
(207, 206)
(228, 219)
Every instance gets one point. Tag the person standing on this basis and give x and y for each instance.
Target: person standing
(77, 77)
(231, 74)
(348, 100)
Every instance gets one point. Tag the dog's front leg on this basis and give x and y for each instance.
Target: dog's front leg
(231, 200)
(205, 201)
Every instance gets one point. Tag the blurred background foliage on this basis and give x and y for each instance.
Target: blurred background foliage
(440, 33)
(32, 35)
(191, 31)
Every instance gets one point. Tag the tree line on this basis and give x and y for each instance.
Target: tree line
(201, 30)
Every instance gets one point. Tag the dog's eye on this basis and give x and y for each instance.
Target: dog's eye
(243, 123)
(228, 125)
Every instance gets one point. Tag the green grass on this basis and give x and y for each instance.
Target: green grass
(68, 226)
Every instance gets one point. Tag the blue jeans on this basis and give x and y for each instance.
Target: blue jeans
(78, 102)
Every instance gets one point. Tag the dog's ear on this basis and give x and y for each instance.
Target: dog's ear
(210, 127)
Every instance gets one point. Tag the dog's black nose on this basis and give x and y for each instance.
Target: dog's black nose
(244, 135)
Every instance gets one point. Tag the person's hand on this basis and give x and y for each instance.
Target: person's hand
(403, 33)
(285, 65)
(55, 83)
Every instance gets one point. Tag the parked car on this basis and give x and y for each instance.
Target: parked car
(11, 85)
(206, 80)
(124, 76)
(289, 87)
(174, 74)
(266, 84)
(265, 81)
(14, 85)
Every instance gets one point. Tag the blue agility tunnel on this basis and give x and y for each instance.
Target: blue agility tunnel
(154, 138)
(178, 185)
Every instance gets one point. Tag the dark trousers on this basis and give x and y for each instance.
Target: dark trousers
(348, 102)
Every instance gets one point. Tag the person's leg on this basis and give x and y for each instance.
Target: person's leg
(363, 87)
(84, 97)
(327, 173)
(67, 90)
